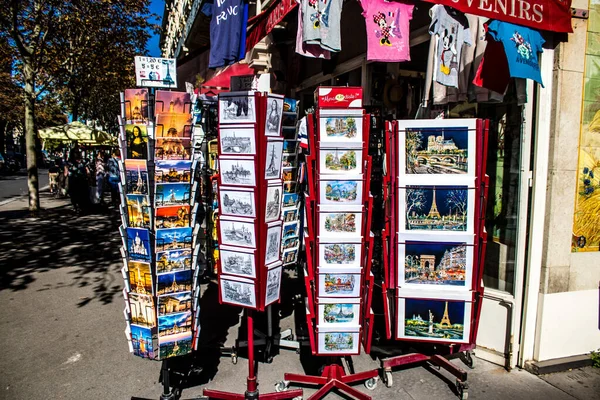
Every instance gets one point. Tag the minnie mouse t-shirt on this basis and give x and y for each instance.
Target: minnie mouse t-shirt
(452, 30)
(387, 30)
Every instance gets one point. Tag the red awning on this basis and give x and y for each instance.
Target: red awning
(221, 81)
(544, 15)
(262, 24)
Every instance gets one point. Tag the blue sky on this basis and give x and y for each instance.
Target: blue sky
(156, 7)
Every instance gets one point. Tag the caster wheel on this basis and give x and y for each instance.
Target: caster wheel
(389, 381)
(281, 386)
(234, 359)
(371, 384)
(297, 398)
(463, 390)
(269, 360)
(469, 359)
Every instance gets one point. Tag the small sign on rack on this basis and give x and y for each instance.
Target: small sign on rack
(155, 72)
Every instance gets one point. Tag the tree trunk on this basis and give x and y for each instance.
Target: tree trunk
(30, 139)
(3, 129)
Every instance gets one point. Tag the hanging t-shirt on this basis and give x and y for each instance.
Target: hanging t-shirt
(522, 46)
(225, 32)
(387, 30)
(452, 30)
(305, 49)
(322, 23)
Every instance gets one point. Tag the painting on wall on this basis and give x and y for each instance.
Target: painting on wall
(586, 219)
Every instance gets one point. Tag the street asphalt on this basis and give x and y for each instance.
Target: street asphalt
(14, 185)
(62, 328)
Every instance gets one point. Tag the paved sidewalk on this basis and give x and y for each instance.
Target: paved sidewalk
(61, 327)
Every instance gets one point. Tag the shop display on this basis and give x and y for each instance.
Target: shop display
(159, 223)
(250, 196)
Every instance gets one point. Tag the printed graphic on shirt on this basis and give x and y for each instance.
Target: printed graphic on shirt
(319, 17)
(524, 51)
(387, 29)
(448, 56)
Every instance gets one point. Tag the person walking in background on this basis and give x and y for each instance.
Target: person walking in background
(99, 178)
(112, 167)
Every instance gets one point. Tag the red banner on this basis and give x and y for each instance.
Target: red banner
(266, 21)
(545, 15)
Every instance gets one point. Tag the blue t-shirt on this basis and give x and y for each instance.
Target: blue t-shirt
(521, 46)
(226, 31)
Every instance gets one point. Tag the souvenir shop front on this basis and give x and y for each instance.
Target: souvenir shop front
(407, 60)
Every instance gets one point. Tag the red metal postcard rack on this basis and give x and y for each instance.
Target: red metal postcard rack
(391, 267)
(334, 375)
(265, 157)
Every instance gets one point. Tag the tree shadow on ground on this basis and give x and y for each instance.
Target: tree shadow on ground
(59, 238)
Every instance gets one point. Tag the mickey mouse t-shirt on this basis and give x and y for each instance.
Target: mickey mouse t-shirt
(452, 30)
(521, 46)
(387, 30)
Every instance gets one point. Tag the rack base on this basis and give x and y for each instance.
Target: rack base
(333, 377)
(417, 358)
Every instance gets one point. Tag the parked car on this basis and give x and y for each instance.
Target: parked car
(2, 162)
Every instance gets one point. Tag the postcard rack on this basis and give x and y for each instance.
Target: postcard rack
(337, 238)
(434, 238)
(159, 231)
(250, 222)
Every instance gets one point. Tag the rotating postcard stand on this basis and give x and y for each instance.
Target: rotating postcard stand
(338, 240)
(250, 221)
(434, 239)
(159, 230)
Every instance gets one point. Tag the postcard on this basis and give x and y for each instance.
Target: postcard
(439, 265)
(172, 217)
(136, 177)
(173, 260)
(436, 208)
(290, 146)
(290, 187)
(138, 244)
(273, 285)
(290, 243)
(273, 159)
(340, 254)
(173, 148)
(173, 125)
(174, 282)
(137, 141)
(237, 140)
(175, 324)
(273, 249)
(173, 238)
(441, 149)
(339, 314)
(175, 345)
(141, 307)
(290, 256)
(237, 233)
(173, 171)
(172, 102)
(289, 160)
(237, 261)
(290, 200)
(138, 210)
(434, 320)
(290, 174)
(140, 277)
(237, 202)
(238, 292)
(169, 194)
(290, 215)
(141, 340)
(273, 206)
(340, 224)
(341, 192)
(340, 161)
(136, 105)
(174, 303)
(290, 229)
(339, 284)
(237, 171)
(342, 126)
(237, 107)
(338, 342)
(274, 116)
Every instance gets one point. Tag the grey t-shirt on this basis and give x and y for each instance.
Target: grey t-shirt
(452, 30)
(322, 23)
